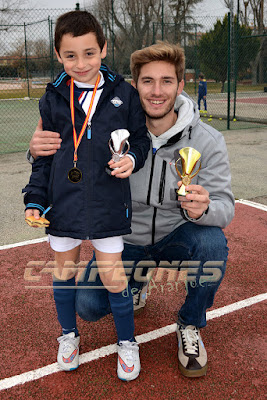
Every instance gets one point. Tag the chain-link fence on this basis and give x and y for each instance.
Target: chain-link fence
(233, 59)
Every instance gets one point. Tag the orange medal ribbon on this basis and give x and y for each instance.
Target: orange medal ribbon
(76, 140)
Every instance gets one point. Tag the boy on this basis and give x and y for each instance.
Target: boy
(85, 104)
(202, 91)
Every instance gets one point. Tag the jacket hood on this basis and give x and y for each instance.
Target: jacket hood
(188, 117)
(179, 104)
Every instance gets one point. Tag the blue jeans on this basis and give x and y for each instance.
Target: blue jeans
(204, 101)
(205, 249)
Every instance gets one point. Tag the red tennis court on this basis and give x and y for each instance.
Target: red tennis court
(234, 337)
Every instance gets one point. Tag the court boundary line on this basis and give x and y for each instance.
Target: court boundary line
(253, 204)
(8, 383)
(249, 203)
(25, 243)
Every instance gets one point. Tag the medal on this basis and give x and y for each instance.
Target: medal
(75, 174)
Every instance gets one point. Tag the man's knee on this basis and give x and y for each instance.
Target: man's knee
(210, 243)
(212, 253)
(89, 306)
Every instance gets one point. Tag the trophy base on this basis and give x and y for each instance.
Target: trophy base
(182, 191)
(108, 170)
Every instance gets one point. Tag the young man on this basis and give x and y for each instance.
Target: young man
(86, 104)
(165, 228)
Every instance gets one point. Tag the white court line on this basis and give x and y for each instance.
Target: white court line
(29, 376)
(44, 239)
(25, 243)
(262, 207)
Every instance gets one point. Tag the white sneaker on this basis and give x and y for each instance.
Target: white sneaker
(68, 352)
(128, 360)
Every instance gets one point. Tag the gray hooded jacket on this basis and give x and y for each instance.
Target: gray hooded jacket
(156, 210)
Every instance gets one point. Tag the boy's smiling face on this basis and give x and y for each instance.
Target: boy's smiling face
(81, 57)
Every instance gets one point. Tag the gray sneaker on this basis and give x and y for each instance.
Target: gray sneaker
(192, 355)
(139, 300)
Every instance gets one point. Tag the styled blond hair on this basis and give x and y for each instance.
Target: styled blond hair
(161, 51)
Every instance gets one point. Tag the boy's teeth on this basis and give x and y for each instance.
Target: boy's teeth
(156, 102)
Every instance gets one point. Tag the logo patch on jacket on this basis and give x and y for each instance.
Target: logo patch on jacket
(116, 101)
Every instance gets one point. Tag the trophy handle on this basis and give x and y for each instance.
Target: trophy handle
(177, 170)
(128, 147)
(121, 147)
(110, 146)
(192, 176)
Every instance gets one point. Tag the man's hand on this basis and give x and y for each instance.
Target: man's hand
(196, 202)
(124, 167)
(44, 143)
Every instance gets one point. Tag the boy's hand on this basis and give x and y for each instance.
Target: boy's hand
(124, 167)
(32, 211)
(33, 219)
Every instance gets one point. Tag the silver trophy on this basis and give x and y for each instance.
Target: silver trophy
(118, 143)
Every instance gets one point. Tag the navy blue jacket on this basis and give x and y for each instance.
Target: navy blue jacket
(202, 88)
(99, 205)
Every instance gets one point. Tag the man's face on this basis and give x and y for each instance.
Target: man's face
(158, 88)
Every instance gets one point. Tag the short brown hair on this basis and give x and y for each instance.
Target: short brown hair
(161, 51)
(78, 23)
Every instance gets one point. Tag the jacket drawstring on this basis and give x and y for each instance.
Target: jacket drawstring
(190, 131)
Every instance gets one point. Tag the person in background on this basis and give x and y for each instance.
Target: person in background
(202, 91)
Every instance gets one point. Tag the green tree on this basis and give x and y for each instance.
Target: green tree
(128, 26)
(213, 51)
(132, 24)
(181, 16)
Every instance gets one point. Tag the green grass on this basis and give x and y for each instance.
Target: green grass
(221, 125)
(18, 120)
(21, 93)
(18, 116)
(214, 87)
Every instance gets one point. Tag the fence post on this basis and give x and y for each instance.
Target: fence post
(236, 57)
(52, 70)
(162, 19)
(26, 61)
(195, 54)
(229, 71)
(153, 33)
(113, 40)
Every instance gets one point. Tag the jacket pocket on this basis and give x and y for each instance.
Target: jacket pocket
(125, 199)
(162, 182)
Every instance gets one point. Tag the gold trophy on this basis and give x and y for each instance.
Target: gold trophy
(189, 158)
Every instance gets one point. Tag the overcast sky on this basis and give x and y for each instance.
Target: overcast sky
(207, 7)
